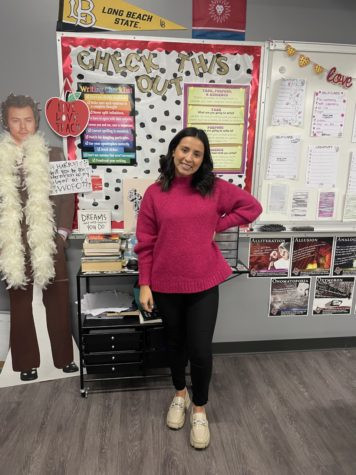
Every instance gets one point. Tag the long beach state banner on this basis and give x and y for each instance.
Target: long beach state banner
(111, 15)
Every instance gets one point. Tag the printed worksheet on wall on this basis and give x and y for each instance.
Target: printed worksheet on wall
(350, 208)
(283, 160)
(351, 182)
(289, 105)
(353, 138)
(350, 197)
(326, 204)
(328, 114)
(278, 198)
(299, 207)
(322, 165)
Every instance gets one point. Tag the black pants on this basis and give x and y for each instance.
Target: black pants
(189, 322)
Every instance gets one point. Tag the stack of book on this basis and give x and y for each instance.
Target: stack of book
(101, 253)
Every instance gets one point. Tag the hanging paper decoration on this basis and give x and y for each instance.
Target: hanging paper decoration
(303, 61)
(318, 69)
(336, 78)
(67, 118)
(332, 76)
(290, 50)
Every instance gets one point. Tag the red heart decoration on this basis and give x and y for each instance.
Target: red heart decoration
(67, 118)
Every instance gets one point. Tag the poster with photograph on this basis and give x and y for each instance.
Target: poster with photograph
(333, 295)
(345, 256)
(312, 256)
(269, 257)
(289, 297)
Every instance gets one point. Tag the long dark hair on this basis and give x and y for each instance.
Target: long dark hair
(203, 178)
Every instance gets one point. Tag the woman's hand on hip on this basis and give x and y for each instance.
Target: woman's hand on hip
(146, 298)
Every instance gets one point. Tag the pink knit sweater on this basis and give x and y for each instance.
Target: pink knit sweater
(175, 230)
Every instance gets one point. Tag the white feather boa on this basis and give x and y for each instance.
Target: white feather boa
(34, 160)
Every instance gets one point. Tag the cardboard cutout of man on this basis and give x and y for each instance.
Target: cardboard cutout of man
(33, 231)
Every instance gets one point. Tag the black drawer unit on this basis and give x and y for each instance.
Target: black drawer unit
(123, 369)
(112, 341)
(114, 349)
(113, 358)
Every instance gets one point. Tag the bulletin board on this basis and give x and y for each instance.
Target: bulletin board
(141, 91)
(306, 147)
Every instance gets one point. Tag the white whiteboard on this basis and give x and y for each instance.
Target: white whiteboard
(279, 66)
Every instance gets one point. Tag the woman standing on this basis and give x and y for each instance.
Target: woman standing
(181, 266)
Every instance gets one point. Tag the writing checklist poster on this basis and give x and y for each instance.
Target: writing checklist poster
(109, 138)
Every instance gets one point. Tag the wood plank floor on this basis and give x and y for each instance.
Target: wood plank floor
(276, 413)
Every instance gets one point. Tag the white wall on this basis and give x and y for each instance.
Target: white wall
(322, 21)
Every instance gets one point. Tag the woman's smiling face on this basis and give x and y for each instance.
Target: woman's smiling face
(188, 156)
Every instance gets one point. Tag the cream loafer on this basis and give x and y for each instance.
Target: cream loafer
(199, 434)
(176, 411)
